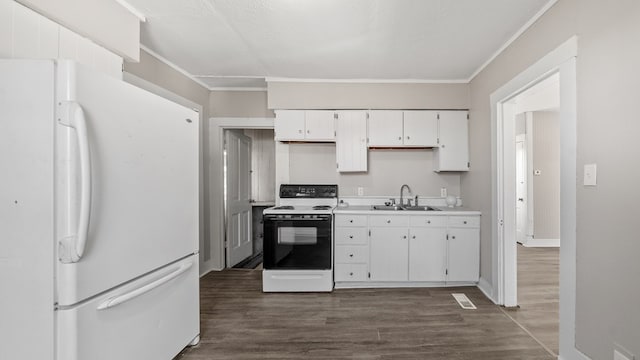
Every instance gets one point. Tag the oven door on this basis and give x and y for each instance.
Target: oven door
(297, 242)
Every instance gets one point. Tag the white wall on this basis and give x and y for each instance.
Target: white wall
(546, 185)
(607, 268)
(26, 34)
(388, 170)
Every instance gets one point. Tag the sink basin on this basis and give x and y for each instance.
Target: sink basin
(421, 208)
(408, 208)
(387, 207)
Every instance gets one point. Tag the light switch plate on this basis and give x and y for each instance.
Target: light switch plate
(360, 191)
(590, 175)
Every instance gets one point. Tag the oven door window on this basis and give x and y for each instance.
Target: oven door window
(297, 244)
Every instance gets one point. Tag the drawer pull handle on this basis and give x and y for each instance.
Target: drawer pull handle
(413, 237)
(388, 221)
(465, 222)
(350, 274)
(350, 236)
(453, 237)
(350, 255)
(351, 221)
(404, 237)
(428, 221)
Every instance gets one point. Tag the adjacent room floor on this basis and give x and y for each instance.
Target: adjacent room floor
(240, 322)
(538, 294)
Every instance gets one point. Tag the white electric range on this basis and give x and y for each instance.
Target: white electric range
(298, 240)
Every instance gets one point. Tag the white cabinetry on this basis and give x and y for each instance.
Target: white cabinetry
(421, 128)
(389, 246)
(351, 248)
(351, 141)
(428, 248)
(453, 151)
(463, 255)
(385, 128)
(304, 125)
(423, 250)
(396, 128)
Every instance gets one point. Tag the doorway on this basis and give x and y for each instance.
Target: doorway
(561, 61)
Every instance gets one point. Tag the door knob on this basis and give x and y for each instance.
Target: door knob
(521, 199)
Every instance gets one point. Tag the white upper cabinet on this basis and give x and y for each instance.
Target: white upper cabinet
(385, 128)
(421, 128)
(289, 125)
(304, 125)
(319, 125)
(351, 141)
(397, 128)
(453, 152)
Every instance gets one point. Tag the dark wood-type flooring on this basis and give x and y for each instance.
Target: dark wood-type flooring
(538, 294)
(238, 321)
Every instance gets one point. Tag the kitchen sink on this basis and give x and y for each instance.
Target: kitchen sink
(405, 208)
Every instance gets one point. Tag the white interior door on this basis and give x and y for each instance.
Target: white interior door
(238, 179)
(521, 190)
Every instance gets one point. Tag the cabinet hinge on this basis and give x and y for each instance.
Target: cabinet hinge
(446, 272)
(438, 116)
(369, 275)
(337, 166)
(468, 164)
(467, 116)
(438, 140)
(335, 133)
(447, 236)
(335, 115)
(367, 116)
(369, 232)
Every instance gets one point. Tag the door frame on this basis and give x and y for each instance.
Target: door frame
(525, 142)
(215, 163)
(561, 60)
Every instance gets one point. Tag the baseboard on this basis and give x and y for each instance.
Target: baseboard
(486, 289)
(208, 271)
(542, 243)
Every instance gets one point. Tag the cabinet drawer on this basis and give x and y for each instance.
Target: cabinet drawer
(351, 220)
(428, 221)
(384, 220)
(464, 221)
(350, 272)
(350, 235)
(351, 254)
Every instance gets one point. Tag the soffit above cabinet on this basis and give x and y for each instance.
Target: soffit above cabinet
(245, 41)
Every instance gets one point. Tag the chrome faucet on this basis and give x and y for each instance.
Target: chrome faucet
(402, 193)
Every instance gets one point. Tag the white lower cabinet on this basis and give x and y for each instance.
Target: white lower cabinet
(428, 254)
(423, 250)
(389, 248)
(463, 255)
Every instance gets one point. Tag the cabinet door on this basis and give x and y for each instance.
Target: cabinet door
(389, 254)
(289, 125)
(319, 125)
(453, 152)
(421, 128)
(351, 141)
(463, 260)
(385, 128)
(427, 254)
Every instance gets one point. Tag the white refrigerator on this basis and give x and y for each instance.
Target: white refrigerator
(98, 217)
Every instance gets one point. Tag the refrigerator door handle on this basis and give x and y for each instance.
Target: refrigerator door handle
(72, 247)
(117, 300)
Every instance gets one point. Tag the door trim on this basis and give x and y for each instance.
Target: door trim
(215, 161)
(562, 60)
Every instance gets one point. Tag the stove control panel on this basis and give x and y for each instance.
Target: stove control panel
(289, 191)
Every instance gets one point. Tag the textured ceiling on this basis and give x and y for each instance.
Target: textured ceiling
(239, 43)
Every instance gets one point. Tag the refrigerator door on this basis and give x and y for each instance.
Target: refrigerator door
(152, 318)
(126, 182)
(26, 209)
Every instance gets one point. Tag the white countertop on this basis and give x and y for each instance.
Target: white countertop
(366, 210)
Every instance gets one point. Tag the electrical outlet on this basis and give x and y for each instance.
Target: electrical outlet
(443, 192)
(360, 191)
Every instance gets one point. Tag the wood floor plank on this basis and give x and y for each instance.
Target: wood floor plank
(238, 321)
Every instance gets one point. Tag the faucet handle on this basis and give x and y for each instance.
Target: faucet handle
(393, 201)
(415, 200)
